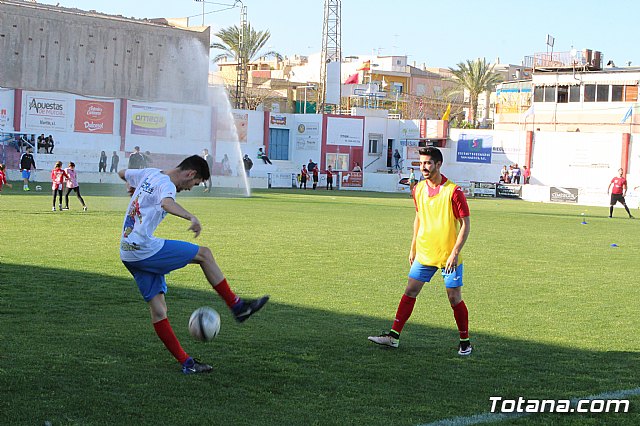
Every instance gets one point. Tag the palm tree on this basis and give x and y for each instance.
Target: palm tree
(253, 42)
(476, 77)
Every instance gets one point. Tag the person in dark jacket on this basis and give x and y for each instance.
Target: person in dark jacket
(27, 162)
(136, 159)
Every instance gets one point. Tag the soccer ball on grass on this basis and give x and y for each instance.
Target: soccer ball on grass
(204, 324)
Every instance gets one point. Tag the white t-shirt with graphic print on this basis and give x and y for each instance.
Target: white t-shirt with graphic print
(144, 213)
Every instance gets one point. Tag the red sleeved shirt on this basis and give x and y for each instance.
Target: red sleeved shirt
(58, 176)
(618, 184)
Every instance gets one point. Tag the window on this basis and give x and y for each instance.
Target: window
(616, 93)
(563, 94)
(396, 88)
(375, 144)
(589, 92)
(630, 93)
(574, 93)
(338, 161)
(550, 94)
(538, 94)
(602, 93)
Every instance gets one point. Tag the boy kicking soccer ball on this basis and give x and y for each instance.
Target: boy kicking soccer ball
(149, 258)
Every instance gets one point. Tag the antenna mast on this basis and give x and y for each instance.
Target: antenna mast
(331, 51)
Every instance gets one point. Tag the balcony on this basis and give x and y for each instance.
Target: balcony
(586, 58)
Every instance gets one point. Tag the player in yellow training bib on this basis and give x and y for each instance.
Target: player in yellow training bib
(440, 229)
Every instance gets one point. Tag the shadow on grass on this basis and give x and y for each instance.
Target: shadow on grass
(78, 348)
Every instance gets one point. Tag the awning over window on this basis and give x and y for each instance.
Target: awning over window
(586, 81)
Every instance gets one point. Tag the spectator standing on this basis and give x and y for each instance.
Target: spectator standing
(516, 174)
(148, 159)
(329, 178)
(226, 165)
(396, 159)
(412, 180)
(102, 164)
(41, 146)
(136, 159)
(115, 159)
(72, 185)
(304, 176)
(247, 163)
(209, 159)
(504, 173)
(526, 174)
(26, 163)
(311, 165)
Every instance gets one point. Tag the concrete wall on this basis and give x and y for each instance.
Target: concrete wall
(68, 50)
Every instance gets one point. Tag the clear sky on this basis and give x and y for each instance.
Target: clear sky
(438, 33)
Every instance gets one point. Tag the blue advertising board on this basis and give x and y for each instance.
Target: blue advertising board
(474, 149)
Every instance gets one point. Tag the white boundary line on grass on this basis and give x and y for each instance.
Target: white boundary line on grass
(498, 417)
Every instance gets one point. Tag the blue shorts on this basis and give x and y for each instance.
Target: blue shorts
(424, 274)
(26, 174)
(149, 273)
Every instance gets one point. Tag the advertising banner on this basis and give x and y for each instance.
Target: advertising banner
(148, 121)
(242, 123)
(474, 149)
(93, 117)
(282, 180)
(351, 179)
(344, 131)
(563, 195)
(46, 113)
(224, 131)
(409, 129)
(483, 189)
(509, 191)
(277, 120)
(307, 136)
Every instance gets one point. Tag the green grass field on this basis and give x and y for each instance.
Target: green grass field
(553, 314)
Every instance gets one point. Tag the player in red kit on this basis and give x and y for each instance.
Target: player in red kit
(58, 176)
(618, 192)
(3, 178)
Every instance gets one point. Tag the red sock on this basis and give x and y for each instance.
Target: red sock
(461, 314)
(165, 333)
(405, 307)
(226, 293)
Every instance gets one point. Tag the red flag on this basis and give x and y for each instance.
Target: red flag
(353, 79)
(366, 66)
